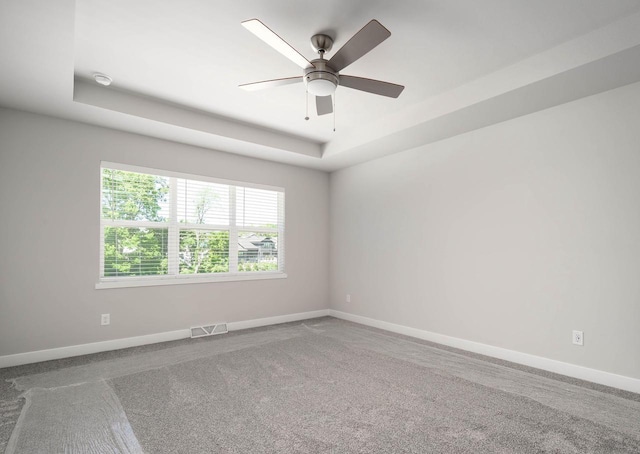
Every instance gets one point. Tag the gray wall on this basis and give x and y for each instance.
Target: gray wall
(512, 236)
(49, 209)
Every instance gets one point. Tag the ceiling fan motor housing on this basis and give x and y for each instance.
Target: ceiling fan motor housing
(320, 78)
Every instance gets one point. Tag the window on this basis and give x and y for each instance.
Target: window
(159, 227)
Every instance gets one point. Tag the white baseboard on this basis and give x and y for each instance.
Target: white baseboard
(116, 344)
(234, 326)
(551, 365)
(571, 370)
(95, 347)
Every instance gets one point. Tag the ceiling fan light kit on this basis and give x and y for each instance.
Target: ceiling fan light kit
(320, 79)
(320, 76)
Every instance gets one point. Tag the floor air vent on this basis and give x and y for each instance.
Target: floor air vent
(208, 330)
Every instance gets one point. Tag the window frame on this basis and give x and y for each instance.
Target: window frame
(174, 227)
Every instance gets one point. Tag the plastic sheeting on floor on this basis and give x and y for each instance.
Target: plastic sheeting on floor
(74, 410)
(85, 418)
(325, 386)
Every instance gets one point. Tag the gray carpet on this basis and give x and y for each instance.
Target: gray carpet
(328, 386)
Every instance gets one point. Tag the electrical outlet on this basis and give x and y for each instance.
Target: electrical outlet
(578, 337)
(348, 298)
(105, 319)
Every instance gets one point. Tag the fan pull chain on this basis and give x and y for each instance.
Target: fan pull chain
(307, 115)
(334, 112)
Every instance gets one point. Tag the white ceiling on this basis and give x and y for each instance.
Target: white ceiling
(177, 65)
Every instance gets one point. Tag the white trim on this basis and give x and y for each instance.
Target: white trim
(95, 347)
(551, 365)
(140, 224)
(101, 264)
(281, 228)
(233, 231)
(246, 324)
(173, 241)
(151, 281)
(188, 176)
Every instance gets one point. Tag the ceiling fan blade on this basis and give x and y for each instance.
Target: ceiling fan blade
(376, 87)
(324, 105)
(271, 38)
(362, 42)
(270, 83)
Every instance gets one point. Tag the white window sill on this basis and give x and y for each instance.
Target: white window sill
(177, 280)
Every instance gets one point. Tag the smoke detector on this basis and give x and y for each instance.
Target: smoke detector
(103, 79)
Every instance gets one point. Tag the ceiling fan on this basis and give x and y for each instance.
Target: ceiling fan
(321, 76)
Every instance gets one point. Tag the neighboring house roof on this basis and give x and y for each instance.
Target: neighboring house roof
(253, 243)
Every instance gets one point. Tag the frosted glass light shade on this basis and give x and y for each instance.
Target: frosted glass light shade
(321, 87)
